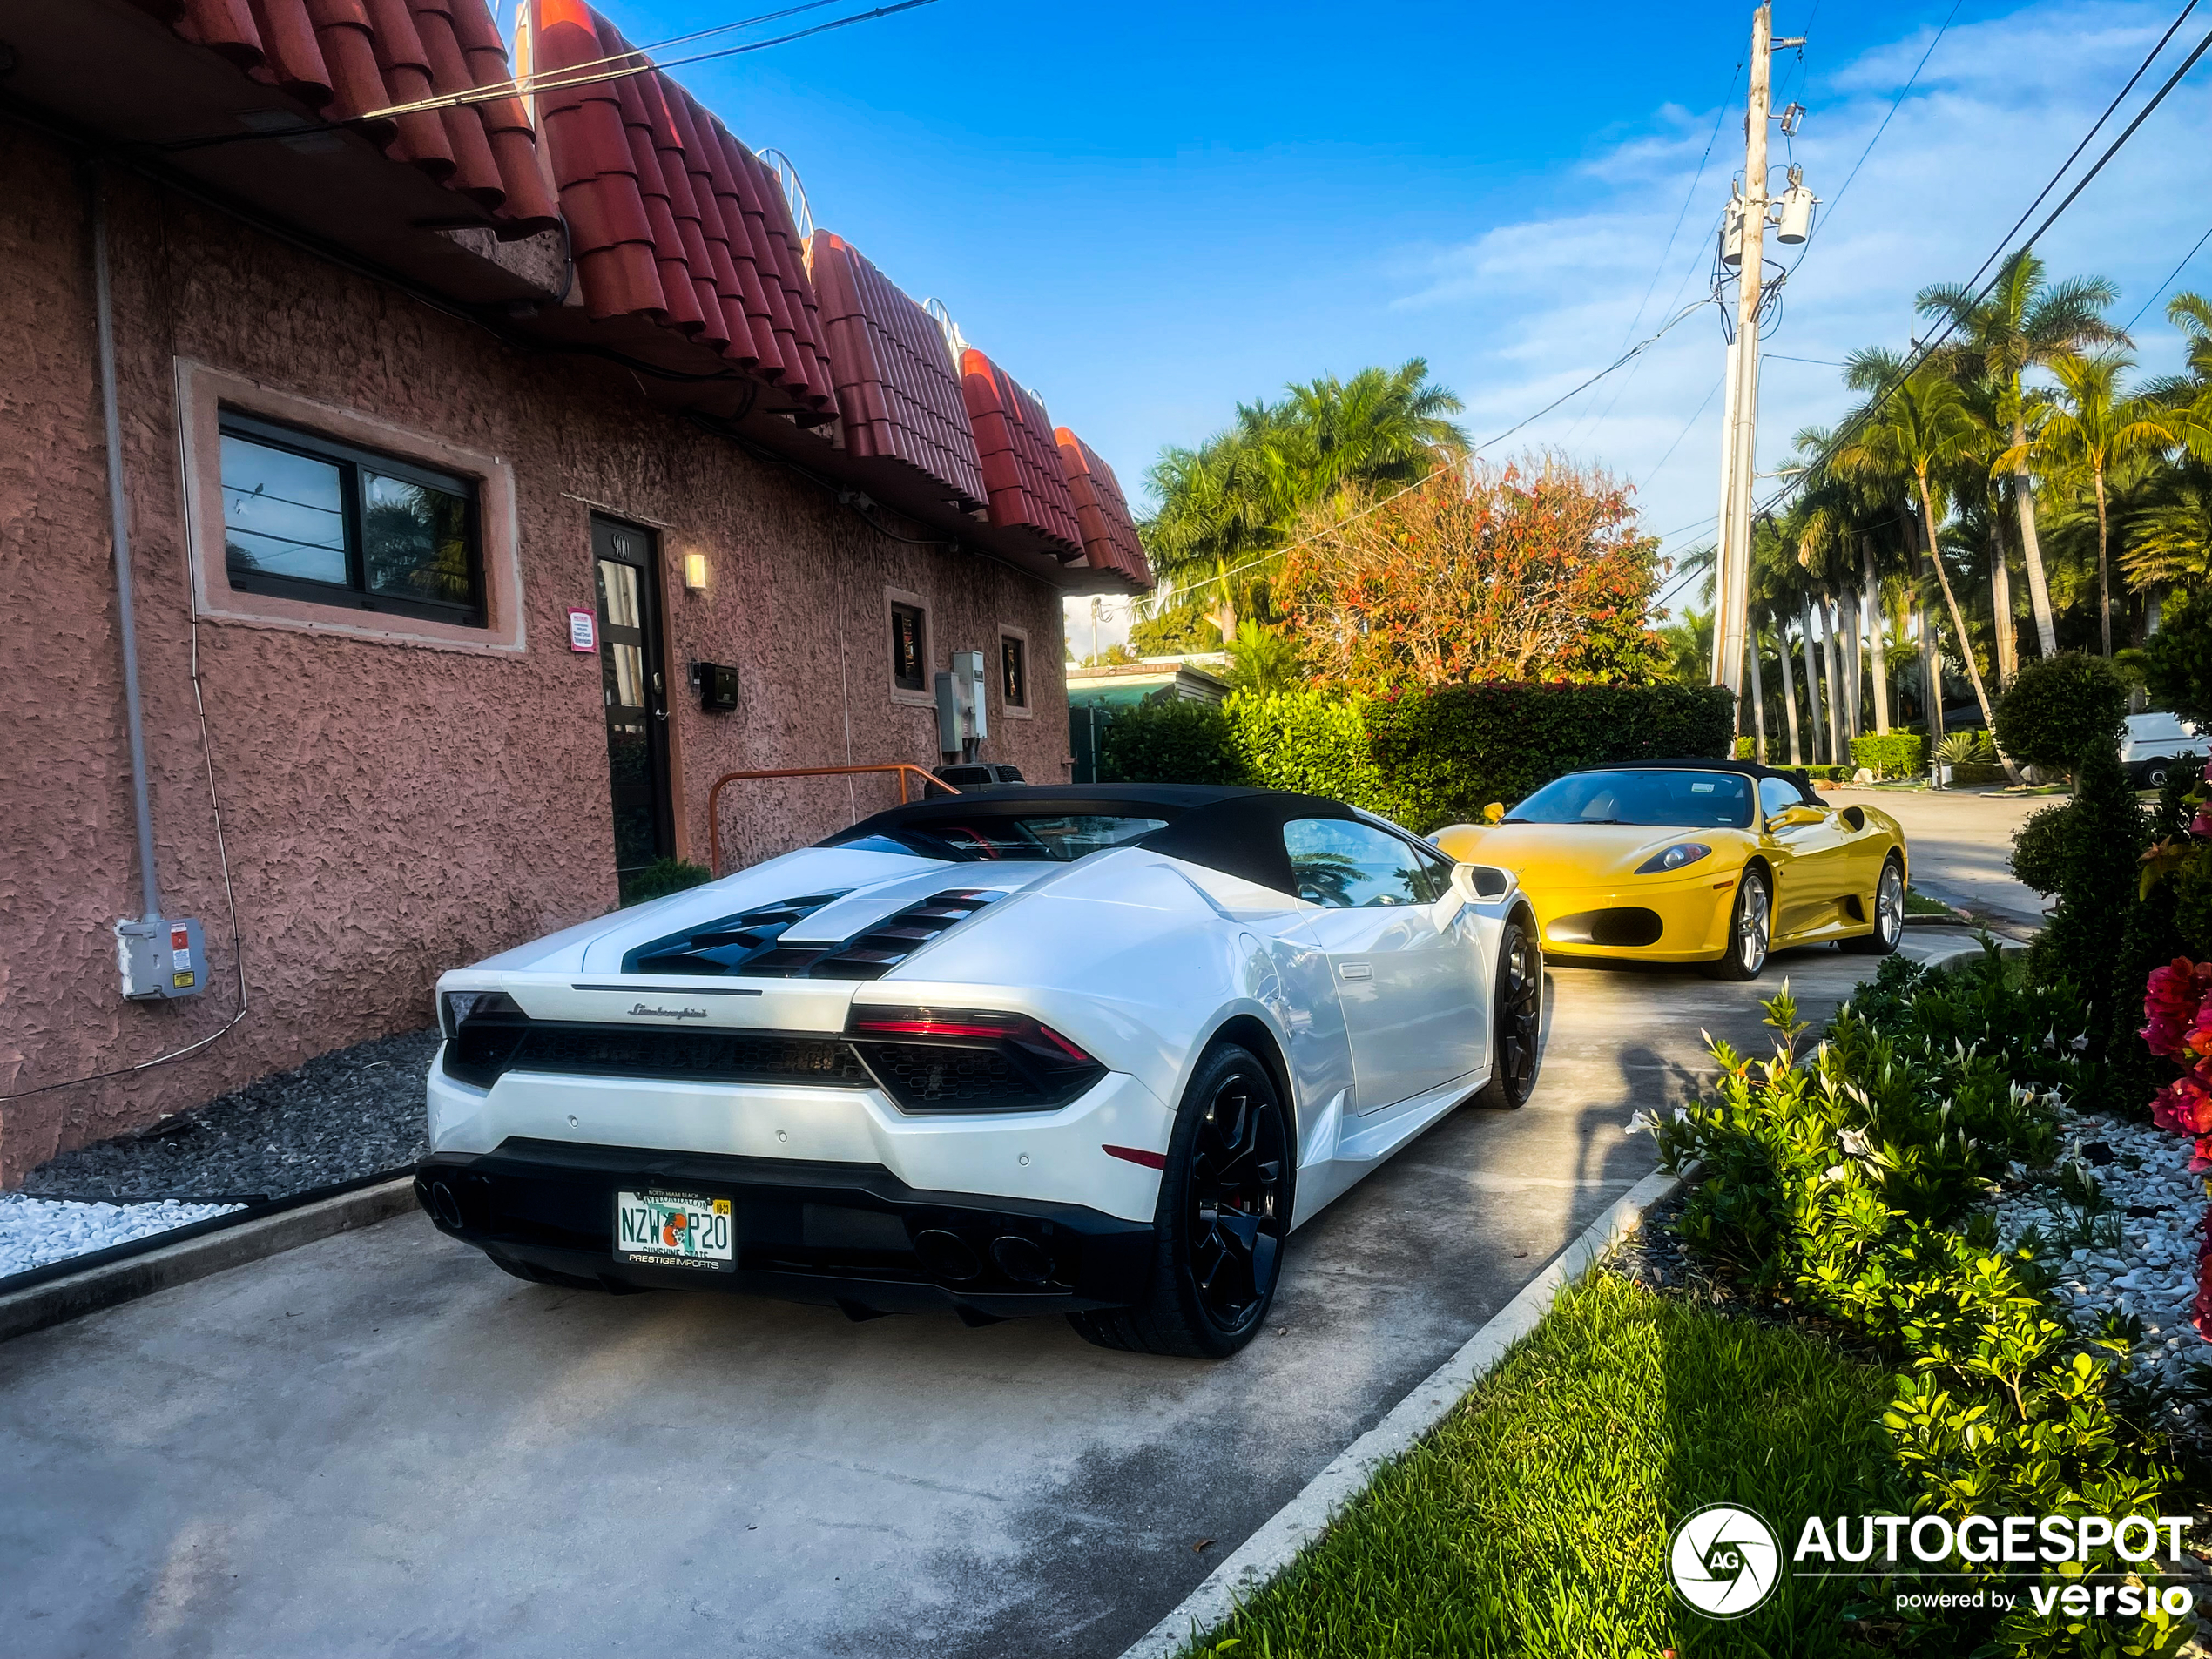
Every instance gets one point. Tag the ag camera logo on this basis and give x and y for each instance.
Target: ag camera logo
(1723, 1560)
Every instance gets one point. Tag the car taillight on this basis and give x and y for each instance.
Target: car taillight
(455, 1006)
(482, 1030)
(963, 1060)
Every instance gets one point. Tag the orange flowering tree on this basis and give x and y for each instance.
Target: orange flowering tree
(1531, 571)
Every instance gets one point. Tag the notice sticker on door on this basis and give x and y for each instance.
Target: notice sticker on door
(584, 630)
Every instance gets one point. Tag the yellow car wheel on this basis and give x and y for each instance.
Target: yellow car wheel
(1889, 912)
(1750, 928)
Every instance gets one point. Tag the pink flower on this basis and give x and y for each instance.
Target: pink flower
(2202, 824)
(2184, 1107)
(2173, 997)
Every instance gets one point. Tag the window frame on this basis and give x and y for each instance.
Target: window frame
(352, 459)
(1027, 708)
(925, 696)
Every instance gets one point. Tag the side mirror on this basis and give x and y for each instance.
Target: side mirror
(1477, 882)
(1796, 817)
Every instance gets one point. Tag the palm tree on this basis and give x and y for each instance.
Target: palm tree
(1227, 504)
(2023, 322)
(2092, 429)
(1916, 429)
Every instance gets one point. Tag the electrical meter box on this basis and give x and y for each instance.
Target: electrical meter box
(968, 679)
(161, 958)
(963, 716)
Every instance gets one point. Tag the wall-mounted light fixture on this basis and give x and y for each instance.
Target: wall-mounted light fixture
(695, 572)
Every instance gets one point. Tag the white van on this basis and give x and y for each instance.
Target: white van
(2152, 742)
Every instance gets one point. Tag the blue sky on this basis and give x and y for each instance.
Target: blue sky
(1149, 213)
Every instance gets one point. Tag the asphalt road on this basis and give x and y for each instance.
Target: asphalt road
(379, 1444)
(1961, 847)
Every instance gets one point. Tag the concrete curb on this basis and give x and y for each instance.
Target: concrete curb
(1297, 1523)
(35, 1306)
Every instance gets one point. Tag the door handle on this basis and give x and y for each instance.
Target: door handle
(1356, 970)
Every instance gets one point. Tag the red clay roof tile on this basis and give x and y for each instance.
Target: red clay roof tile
(1109, 535)
(896, 388)
(1021, 460)
(347, 58)
(670, 216)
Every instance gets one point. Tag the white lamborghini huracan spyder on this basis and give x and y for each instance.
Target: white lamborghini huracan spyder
(1091, 1049)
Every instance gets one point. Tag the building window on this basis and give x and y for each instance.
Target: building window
(909, 647)
(1013, 672)
(307, 518)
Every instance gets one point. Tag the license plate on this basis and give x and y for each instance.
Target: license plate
(674, 1230)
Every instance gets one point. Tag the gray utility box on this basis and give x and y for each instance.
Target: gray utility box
(160, 958)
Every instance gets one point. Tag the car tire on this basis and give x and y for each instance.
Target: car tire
(1889, 913)
(1750, 928)
(1516, 1020)
(1223, 1212)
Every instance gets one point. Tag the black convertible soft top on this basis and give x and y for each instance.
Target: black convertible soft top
(1236, 830)
(1795, 776)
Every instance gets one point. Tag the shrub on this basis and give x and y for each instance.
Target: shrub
(1174, 740)
(2152, 936)
(2088, 855)
(1424, 759)
(1311, 742)
(1449, 753)
(2177, 660)
(1843, 1185)
(2060, 708)
(1898, 754)
(661, 877)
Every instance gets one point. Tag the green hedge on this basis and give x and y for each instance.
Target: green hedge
(1901, 754)
(1425, 758)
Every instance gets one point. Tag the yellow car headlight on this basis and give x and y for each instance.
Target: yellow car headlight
(1678, 857)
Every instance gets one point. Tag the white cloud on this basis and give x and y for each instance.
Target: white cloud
(1541, 303)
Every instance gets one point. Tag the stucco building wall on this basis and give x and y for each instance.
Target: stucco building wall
(389, 810)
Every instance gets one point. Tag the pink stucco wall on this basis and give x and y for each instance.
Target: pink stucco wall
(391, 810)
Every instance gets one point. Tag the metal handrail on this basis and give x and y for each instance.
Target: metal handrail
(930, 780)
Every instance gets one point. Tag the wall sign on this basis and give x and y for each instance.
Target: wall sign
(584, 630)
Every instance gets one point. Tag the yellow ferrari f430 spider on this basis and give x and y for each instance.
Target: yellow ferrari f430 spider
(1710, 861)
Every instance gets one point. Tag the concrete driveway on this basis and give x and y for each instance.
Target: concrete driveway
(381, 1444)
(1961, 847)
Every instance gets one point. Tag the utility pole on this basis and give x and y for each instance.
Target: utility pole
(1739, 442)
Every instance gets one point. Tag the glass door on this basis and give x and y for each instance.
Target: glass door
(633, 682)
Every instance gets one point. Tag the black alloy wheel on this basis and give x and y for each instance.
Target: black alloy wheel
(1225, 1210)
(1516, 1018)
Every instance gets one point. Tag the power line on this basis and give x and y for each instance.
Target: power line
(1634, 352)
(563, 80)
(2169, 283)
(1660, 465)
(557, 80)
(1836, 200)
(2095, 127)
(1659, 270)
(1915, 359)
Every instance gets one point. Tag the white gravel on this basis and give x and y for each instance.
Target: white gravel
(34, 1231)
(2108, 1258)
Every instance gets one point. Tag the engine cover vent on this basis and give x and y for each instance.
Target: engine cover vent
(730, 945)
(752, 944)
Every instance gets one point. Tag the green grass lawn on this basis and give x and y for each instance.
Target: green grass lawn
(1534, 1520)
(1918, 903)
